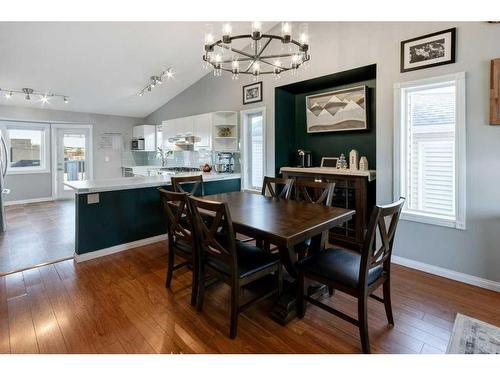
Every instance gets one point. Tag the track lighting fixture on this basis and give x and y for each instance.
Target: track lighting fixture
(156, 81)
(29, 92)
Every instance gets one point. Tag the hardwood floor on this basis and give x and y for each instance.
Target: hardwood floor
(119, 304)
(37, 233)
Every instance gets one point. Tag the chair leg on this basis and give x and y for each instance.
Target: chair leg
(331, 291)
(301, 303)
(259, 243)
(201, 288)
(235, 302)
(387, 301)
(170, 266)
(194, 284)
(363, 323)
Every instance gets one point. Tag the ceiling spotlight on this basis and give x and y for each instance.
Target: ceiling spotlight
(27, 91)
(66, 100)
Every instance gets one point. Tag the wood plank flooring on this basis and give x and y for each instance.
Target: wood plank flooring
(119, 304)
(37, 233)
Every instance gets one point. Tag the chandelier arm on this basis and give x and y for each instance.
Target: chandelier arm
(277, 56)
(249, 66)
(283, 68)
(263, 48)
(237, 51)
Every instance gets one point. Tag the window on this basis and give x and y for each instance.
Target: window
(430, 150)
(27, 147)
(253, 134)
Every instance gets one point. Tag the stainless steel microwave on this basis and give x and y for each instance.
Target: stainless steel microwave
(138, 144)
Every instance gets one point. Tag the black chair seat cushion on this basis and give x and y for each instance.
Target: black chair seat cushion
(338, 265)
(251, 259)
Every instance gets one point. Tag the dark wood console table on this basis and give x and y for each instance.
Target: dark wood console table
(353, 190)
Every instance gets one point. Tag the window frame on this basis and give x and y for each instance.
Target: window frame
(44, 148)
(244, 114)
(400, 149)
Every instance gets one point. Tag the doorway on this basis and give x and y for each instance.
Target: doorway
(72, 157)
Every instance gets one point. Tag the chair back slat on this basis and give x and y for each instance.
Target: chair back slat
(373, 253)
(211, 223)
(177, 216)
(179, 184)
(314, 191)
(276, 187)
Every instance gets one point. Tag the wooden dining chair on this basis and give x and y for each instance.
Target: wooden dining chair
(181, 241)
(315, 192)
(180, 183)
(358, 275)
(277, 187)
(233, 262)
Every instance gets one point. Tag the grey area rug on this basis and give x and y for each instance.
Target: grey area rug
(472, 336)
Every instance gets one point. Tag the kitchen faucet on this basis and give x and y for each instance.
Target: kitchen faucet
(163, 155)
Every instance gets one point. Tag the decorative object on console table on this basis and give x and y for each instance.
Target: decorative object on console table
(428, 50)
(363, 164)
(353, 160)
(342, 163)
(339, 110)
(252, 93)
(328, 162)
(495, 92)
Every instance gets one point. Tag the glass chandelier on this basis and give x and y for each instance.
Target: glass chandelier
(288, 55)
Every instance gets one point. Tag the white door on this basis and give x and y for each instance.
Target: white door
(73, 158)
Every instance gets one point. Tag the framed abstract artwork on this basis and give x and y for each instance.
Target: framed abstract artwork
(334, 111)
(428, 50)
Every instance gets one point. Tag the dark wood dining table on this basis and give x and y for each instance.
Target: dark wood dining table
(283, 223)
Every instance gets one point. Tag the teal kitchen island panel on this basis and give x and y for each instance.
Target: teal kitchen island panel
(124, 216)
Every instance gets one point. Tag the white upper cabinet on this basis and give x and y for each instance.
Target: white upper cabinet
(202, 130)
(148, 133)
(210, 129)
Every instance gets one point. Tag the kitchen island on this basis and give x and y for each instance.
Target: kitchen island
(120, 213)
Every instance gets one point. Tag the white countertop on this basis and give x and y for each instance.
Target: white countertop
(126, 183)
(370, 174)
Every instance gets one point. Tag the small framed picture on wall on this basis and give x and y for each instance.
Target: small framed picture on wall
(252, 93)
(428, 50)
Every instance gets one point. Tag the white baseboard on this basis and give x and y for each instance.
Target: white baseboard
(118, 248)
(449, 274)
(25, 201)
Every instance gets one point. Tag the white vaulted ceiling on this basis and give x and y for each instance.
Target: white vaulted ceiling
(102, 66)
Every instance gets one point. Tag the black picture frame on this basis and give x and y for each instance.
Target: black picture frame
(451, 60)
(260, 97)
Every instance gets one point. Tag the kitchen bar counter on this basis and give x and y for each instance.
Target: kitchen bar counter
(126, 183)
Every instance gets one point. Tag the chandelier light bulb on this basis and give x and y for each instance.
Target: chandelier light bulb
(169, 73)
(226, 33)
(8, 95)
(66, 100)
(27, 97)
(209, 38)
(44, 99)
(303, 33)
(256, 30)
(286, 32)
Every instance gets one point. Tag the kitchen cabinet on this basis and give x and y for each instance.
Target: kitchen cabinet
(202, 130)
(148, 133)
(207, 128)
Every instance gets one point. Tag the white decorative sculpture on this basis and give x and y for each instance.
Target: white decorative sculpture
(363, 164)
(353, 160)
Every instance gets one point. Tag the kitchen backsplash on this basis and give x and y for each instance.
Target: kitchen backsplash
(191, 159)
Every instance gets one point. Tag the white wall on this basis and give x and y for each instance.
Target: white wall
(39, 185)
(341, 46)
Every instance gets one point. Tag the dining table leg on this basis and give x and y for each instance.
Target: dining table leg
(285, 308)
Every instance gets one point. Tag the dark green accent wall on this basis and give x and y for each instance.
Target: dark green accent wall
(127, 215)
(290, 119)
